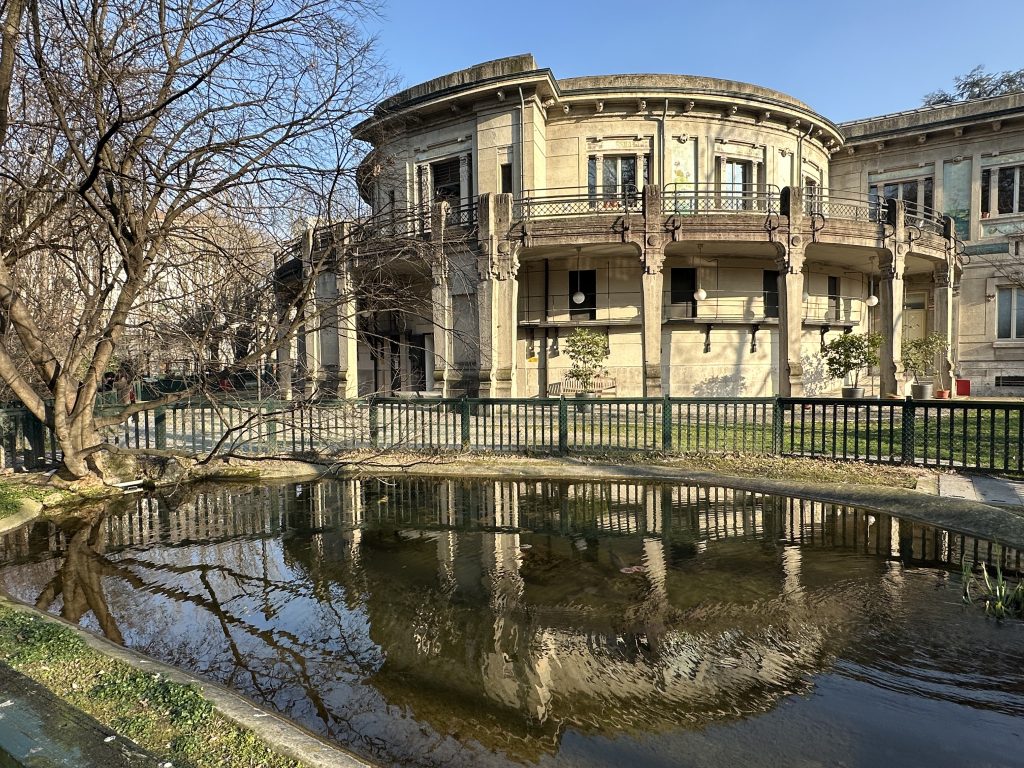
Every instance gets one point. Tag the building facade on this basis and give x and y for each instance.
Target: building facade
(718, 234)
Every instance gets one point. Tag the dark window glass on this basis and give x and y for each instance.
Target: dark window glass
(771, 293)
(891, 191)
(929, 193)
(446, 180)
(1018, 332)
(684, 283)
(910, 197)
(1006, 180)
(833, 297)
(986, 181)
(1004, 313)
(592, 178)
(583, 281)
(506, 178)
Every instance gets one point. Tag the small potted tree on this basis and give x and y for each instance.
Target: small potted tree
(848, 354)
(919, 359)
(587, 350)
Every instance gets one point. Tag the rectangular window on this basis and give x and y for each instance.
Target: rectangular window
(592, 179)
(916, 194)
(736, 184)
(1010, 313)
(583, 286)
(770, 285)
(506, 178)
(684, 284)
(446, 181)
(833, 298)
(986, 182)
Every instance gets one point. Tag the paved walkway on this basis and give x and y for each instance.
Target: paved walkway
(983, 488)
(39, 730)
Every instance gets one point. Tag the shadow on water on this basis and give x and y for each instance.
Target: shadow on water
(443, 622)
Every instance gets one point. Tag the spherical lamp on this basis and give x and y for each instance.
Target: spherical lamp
(871, 301)
(578, 297)
(700, 294)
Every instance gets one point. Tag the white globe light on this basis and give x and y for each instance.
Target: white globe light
(871, 300)
(700, 294)
(806, 297)
(578, 297)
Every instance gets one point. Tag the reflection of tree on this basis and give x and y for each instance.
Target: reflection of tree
(78, 580)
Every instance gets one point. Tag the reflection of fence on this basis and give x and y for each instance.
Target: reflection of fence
(683, 514)
(968, 434)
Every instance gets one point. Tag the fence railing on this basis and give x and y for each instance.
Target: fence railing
(694, 198)
(957, 434)
(577, 201)
(849, 206)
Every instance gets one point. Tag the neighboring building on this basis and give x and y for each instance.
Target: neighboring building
(966, 160)
(719, 233)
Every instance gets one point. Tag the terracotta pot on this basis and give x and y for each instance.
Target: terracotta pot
(941, 394)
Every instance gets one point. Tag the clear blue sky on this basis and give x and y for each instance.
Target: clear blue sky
(845, 59)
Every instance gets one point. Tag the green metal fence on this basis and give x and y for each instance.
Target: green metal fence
(962, 434)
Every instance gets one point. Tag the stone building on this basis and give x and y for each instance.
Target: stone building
(718, 233)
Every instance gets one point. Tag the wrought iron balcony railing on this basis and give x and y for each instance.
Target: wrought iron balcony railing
(848, 206)
(577, 201)
(695, 198)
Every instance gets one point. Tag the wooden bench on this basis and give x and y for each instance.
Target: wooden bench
(571, 386)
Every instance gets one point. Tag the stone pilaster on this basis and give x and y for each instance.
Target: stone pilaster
(652, 282)
(285, 365)
(441, 312)
(327, 331)
(791, 321)
(944, 324)
(890, 304)
(497, 297)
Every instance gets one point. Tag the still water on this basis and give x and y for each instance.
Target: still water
(457, 623)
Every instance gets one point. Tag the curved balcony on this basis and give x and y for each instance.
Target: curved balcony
(558, 202)
(727, 306)
(694, 198)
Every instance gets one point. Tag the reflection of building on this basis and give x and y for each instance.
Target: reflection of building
(717, 233)
(391, 614)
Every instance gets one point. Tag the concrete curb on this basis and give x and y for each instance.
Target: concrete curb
(280, 734)
(29, 510)
(973, 518)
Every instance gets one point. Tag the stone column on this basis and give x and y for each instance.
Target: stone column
(284, 349)
(944, 324)
(497, 297)
(441, 313)
(327, 329)
(347, 325)
(890, 302)
(652, 281)
(791, 311)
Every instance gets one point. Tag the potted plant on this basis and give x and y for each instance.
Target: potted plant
(587, 350)
(848, 354)
(919, 358)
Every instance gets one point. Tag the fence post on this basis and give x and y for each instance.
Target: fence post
(666, 424)
(160, 428)
(35, 452)
(778, 425)
(909, 431)
(374, 426)
(563, 426)
(464, 422)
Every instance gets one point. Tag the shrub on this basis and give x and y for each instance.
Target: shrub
(849, 353)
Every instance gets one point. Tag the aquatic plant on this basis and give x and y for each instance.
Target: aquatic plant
(1001, 599)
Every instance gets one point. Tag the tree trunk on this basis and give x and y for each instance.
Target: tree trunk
(78, 440)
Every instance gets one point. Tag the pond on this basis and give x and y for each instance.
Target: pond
(439, 622)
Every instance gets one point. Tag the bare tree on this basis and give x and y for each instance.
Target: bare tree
(125, 130)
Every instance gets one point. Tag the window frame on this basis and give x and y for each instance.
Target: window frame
(1015, 317)
(990, 190)
(923, 199)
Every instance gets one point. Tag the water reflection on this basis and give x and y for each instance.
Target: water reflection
(448, 622)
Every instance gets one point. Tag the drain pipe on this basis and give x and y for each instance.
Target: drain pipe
(522, 142)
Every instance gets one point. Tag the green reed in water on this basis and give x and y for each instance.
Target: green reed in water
(1002, 599)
